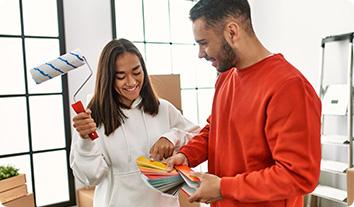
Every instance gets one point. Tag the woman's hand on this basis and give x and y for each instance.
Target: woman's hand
(163, 148)
(84, 124)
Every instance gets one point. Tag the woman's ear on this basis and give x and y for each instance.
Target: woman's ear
(232, 32)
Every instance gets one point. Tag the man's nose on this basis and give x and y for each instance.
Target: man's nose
(201, 53)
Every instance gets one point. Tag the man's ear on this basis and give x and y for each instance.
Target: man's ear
(232, 32)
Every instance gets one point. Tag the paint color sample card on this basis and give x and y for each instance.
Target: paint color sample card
(155, 174)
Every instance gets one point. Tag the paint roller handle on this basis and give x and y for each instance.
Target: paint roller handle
(78, 108)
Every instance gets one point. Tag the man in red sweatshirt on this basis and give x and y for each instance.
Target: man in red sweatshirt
(262, 140)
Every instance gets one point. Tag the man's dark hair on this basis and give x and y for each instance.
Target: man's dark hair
(215, 12)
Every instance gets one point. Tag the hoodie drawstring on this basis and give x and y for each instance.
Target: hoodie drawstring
(147, 134)
(126, 142)
(148, 139)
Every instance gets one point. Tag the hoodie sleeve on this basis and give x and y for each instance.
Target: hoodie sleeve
(181, 129)
(88, 160)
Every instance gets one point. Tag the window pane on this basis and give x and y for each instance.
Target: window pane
(181, 25)
(141, 48)
(12, 80)
(189, 105)
(184, 63)
(51, 179)
(129, 19)
(158, 59)
(23, 164)
(34, 12)
(156, 21)
(206, 73)
(14, 128)
(10, 17)
(47, 122)
(38, 52)
(205, 100)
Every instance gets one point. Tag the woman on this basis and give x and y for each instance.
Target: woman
(131, 121)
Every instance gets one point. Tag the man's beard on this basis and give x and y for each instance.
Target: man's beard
(227, 57)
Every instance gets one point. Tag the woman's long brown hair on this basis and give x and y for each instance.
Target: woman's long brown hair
(105, 105)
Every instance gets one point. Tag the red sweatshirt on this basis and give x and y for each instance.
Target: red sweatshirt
(263, 136)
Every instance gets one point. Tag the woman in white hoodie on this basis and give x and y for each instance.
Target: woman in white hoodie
(131, 121)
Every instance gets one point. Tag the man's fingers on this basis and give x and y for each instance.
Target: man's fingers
(195, 197)
(198, 175)
(214, 199)
(170, 164)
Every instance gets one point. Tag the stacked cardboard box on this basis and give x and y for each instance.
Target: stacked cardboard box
(13, 192)
(85, 198)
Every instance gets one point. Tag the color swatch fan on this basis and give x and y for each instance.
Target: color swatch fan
(156, 175)
(61, 66)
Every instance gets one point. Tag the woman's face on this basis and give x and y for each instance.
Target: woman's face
(129, 77)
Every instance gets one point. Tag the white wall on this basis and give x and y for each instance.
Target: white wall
(88, 26)
(295, 28)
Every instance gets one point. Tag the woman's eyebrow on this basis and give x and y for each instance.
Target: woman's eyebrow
(136, 67)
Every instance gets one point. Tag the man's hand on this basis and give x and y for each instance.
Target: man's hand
(84, 124)
(163, 148)
(209, 189)
(177, 159)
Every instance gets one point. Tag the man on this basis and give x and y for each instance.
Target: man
(262, 140)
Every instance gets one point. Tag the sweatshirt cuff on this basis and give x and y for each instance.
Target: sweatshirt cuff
(228, 187)
(86, 145)
(171, 136)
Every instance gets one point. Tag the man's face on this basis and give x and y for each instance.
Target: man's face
(213, 46)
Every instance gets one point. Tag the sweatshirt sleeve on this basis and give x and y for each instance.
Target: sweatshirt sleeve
(88, 160)
(292, 130)
(196, 150)
(181, 129)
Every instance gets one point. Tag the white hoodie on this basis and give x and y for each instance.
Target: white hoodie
(109, 162)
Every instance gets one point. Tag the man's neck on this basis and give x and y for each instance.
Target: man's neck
(251, 52)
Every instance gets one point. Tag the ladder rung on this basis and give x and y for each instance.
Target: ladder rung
(333, 166)
(334, 139)
(330, 193)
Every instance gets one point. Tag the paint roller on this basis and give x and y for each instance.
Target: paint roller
(61, 66)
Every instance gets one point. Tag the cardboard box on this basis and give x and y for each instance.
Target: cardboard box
(12, 182)
(24, 201)
(13, 193)
(168, 87)
(13, 188)
(85, 197)
(183, 200)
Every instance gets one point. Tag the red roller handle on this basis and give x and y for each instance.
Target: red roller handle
(78, 108)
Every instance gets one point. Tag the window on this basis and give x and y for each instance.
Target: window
(162, 31)
(164, 36)
(35, 124)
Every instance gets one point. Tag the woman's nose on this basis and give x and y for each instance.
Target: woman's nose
(130, 81)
